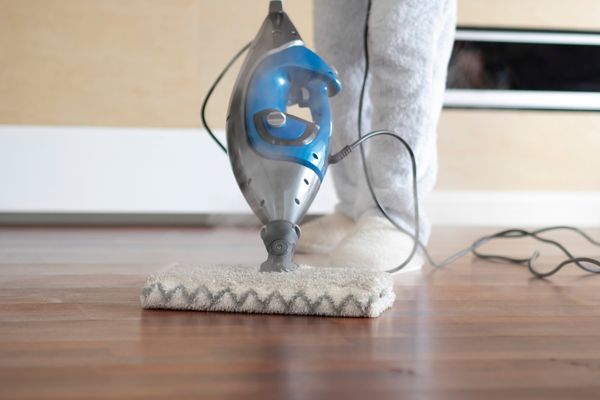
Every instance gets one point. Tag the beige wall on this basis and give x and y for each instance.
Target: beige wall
(122, 62)
(519, 150)
(150, 62)
(551, 14)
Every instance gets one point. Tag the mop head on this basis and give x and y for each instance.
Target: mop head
(337, 292)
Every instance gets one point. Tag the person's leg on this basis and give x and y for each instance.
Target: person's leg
(409, 47)
(338, 39)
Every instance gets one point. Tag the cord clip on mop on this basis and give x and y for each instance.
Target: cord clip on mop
(279, 161)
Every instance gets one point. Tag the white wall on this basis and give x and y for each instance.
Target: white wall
(70, 169)
(131, 170)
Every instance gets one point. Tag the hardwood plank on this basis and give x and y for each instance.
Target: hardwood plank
(71, 326)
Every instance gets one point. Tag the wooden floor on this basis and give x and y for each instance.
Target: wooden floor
(71, 326)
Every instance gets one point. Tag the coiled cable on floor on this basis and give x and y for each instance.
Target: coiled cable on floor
(473, 248)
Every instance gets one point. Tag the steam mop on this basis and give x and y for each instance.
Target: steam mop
(279, 161)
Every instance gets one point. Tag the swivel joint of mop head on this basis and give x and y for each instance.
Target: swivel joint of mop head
(280, 238)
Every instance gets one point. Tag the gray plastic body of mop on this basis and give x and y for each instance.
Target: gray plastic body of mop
(279, 161)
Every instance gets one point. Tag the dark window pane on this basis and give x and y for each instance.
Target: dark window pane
(524, 66)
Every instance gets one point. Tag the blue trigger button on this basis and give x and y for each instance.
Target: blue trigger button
(279, 128)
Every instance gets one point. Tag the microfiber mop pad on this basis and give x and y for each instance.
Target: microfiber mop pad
(339, 292)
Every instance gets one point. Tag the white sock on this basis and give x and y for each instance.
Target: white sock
(323, 234)
(376, 244)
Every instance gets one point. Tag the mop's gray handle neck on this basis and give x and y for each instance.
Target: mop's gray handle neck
(280, 238)
(276, 6)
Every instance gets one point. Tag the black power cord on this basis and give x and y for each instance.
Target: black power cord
(473, 248)
(380, 207)
(212, 89)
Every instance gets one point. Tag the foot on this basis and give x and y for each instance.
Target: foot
(375, 243)
(323, 234)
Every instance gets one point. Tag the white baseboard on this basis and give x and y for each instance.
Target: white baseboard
(86, 170)
(522, 99)
(481, 208)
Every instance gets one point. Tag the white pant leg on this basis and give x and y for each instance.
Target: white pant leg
(339, 26)
(409, 46)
